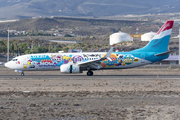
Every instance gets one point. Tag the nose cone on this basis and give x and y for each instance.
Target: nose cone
(7, 65)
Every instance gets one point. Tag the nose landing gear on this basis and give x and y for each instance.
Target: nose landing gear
(90, 73)
(22, 74)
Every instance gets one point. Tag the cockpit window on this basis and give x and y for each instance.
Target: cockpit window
(14, 59)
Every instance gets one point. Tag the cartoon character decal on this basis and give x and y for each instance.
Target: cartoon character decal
(66, 59)
(51, 61)
(29, 64)
(112, 63)
(25, 66)
(77, 58)
(57, 58)
(136, 60)
(128, 59)
(103, 65)
(119, 60)
(44, 61)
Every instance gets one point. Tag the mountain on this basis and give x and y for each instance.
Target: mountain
(17, 9)
(79, 24)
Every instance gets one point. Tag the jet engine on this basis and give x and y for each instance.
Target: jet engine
(70, 68)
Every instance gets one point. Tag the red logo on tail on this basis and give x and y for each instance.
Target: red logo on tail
(168, 25)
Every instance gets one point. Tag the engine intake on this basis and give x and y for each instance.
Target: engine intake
(70, 68)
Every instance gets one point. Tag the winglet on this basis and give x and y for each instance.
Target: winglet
(109, 52)
(107, 56)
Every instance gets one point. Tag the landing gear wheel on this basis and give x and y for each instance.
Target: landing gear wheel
(22, 74)
(89, 73)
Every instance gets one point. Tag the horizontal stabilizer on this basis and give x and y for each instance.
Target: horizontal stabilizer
(164, 53)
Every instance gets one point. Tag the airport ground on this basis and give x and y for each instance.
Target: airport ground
(145, 93)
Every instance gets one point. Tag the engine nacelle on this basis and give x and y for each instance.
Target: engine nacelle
(70, 68)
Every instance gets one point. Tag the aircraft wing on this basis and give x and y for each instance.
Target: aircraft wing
(96, 64)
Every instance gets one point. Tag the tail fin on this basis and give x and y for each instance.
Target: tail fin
(160, 41)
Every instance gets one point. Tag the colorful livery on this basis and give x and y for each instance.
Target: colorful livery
(154, 51)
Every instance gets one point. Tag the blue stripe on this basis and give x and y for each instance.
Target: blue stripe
(156, 45)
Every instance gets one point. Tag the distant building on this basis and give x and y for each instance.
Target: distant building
(16, 33)
(119, 37)
(12, 31)
(75, 50)
(60, 51)
(148, 36)
(23, 32)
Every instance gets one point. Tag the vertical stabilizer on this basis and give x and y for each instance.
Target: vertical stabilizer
(160, 41)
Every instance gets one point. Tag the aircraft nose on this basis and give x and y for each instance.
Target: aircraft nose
(6, 65)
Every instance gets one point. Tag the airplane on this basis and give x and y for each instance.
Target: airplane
(155, 50)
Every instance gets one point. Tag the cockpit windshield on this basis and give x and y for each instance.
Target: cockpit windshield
(14, 59)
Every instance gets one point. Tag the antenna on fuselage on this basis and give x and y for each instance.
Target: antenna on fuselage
(8, 45)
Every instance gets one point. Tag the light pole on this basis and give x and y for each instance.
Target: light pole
(54, 48)
(179, 45)
(18, 49)
(8, 46)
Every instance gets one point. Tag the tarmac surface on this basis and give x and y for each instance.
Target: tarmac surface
(90, 77)
(130, 94)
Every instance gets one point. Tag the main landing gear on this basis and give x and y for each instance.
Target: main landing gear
(22, 74)
(90, 73)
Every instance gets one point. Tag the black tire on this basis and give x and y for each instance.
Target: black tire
(89, 73)
(22, 74)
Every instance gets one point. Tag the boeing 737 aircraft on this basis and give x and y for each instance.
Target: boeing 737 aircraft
(155, 50)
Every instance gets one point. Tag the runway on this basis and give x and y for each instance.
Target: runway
(93, 77)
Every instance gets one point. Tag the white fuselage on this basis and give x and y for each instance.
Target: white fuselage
(53, 61)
